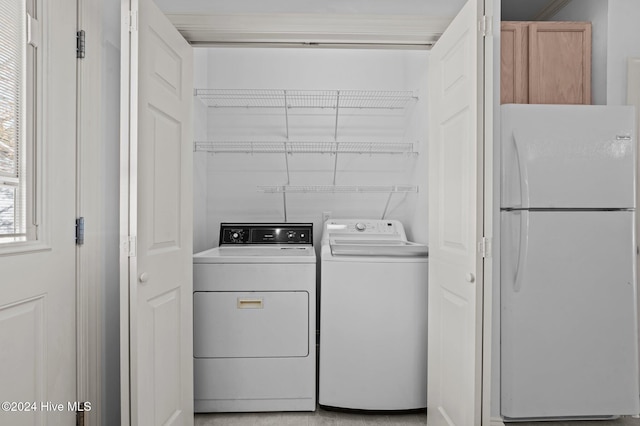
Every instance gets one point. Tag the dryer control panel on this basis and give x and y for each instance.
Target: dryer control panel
(266, 233)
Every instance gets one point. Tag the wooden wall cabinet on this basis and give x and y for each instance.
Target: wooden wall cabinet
(545, 62)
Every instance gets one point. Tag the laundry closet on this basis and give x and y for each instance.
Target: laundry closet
(350, 142)
(295, 145)
(259, 145)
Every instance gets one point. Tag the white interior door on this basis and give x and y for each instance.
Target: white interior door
(455, 222)
(37, 276)
(157, 201)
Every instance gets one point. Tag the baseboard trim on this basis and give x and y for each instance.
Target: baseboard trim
(497, 421)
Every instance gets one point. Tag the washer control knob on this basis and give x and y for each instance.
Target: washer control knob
(360, 226)
(234, 235)
(291, 234)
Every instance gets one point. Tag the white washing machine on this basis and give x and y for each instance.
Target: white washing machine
(373, 317)
(254, 313)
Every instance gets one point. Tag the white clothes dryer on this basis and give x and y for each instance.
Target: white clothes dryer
(254, 313)
(373, 317)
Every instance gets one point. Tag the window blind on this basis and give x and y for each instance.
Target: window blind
(12, 94)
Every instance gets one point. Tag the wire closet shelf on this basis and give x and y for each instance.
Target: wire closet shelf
(277, 98)
(336, 100)
(304, 147)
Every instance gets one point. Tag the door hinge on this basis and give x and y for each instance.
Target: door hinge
(131, 246)
(484, 247)
(80, 416)
(485, 26)
(33, 31)
(133, 21)
(80, 44)
(80, 231)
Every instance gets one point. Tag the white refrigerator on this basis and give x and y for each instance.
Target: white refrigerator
(569, 331)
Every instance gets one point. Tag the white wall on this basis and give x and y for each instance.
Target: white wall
(438, 8)
(233, 178)
(495, 314)
(596, 12)
(623, 43)
(615, 38)
(200, 240)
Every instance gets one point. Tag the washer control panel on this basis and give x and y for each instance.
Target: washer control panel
(266, 233)
(365, 227)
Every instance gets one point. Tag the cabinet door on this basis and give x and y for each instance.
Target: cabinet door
(514, 67)
(560, 63)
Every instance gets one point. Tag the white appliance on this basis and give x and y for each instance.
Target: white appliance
(373, 317)
(568, 251)
(254, 320)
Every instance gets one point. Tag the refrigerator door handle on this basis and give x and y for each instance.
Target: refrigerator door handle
(523, 169)
(523, 250)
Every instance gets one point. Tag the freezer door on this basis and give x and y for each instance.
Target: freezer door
(569, 320)
(568, 156)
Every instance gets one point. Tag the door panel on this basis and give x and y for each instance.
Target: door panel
(560, 63)
(455, 210)
(22, 327)
(514, 63)
(37, 277)
(159, 196)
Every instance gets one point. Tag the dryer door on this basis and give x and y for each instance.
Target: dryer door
(271, 324)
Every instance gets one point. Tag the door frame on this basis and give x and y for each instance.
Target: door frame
(91, 173)
(491, 296)
(128, 153)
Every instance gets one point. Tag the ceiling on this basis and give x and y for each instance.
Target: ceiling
(313, 22)
(433, 8)
(512, 10)
(529, 10)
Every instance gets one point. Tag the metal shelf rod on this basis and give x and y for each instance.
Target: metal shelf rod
(335, 132)
(286, 161)
(386, 206)
(286, 114)
(335, 163)
(336, 189)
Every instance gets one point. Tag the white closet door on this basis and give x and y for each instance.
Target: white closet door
(455, 222)
(156, 199)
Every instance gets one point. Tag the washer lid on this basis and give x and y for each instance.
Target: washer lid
(373, 248)
(257, 254)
